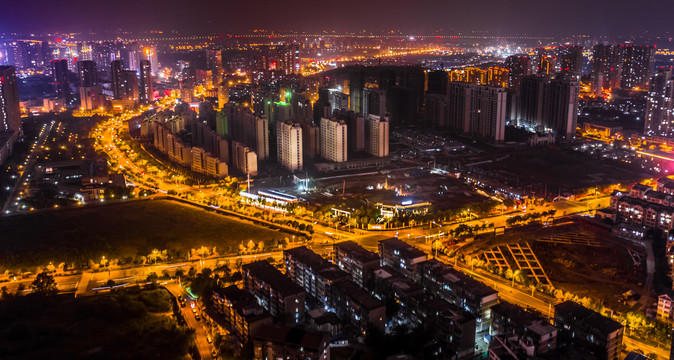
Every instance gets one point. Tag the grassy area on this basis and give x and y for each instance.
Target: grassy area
(124, 231)
(130, 326)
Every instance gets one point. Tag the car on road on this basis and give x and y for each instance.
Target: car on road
(214, 354)
(194, 310)
(209, 339)
(197, 317)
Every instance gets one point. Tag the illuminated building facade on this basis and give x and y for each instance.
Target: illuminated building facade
(570, 58)
(10, 113)
(518, 66)
(290, 154)
(637, 66)
(606, 66)
(333, 140)
(146, 91)
(116, 68)
(660, 104)
(60, 78)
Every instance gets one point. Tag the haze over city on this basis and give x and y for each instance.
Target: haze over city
(351, 180)
(512, 17)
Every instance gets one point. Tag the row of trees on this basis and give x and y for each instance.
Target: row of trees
(530, 217)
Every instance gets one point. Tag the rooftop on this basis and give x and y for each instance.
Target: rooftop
(281, 334)
(274, 278)
(406, 250)
(359, 295)
(357, 252)
(588, 316)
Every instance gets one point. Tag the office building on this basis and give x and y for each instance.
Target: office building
(333, 140)
(518, 66)
(590, 329)
(274, 291)
(377, 135)
(146, 91)
(660, 104)
(61, 81)
(290, 146)
(637, 66)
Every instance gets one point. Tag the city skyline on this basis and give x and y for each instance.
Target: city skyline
(513, 17)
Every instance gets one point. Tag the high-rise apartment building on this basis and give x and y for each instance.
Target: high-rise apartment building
(289, 58)
(374, 99)
(660, 104)
(459, 95)
(333, 140)
(518, 67)
(290, 153)
(531, 102)
(116, 68)
(86, 70)
(570, 58)
(437, 83)
(488, 113)
(60, 78)
(146, 93)
(549, 104)
(91, 94)
(606, 67)
(377, 135)
(244, 158)
(128, 86)
(637, 66)
(560, 107)
(10, 112)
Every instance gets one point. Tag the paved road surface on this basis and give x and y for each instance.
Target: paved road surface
(201, 339)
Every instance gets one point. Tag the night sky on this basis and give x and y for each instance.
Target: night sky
(505, 17)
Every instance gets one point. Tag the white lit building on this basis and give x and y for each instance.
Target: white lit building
(290, 154)
(333, 140)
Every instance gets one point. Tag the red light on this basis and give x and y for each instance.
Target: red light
(58, 39)
(75, 58)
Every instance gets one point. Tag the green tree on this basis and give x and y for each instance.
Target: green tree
(44, 284)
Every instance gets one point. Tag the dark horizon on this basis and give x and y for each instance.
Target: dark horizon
(505, 18)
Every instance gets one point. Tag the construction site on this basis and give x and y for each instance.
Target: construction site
(574, 256)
